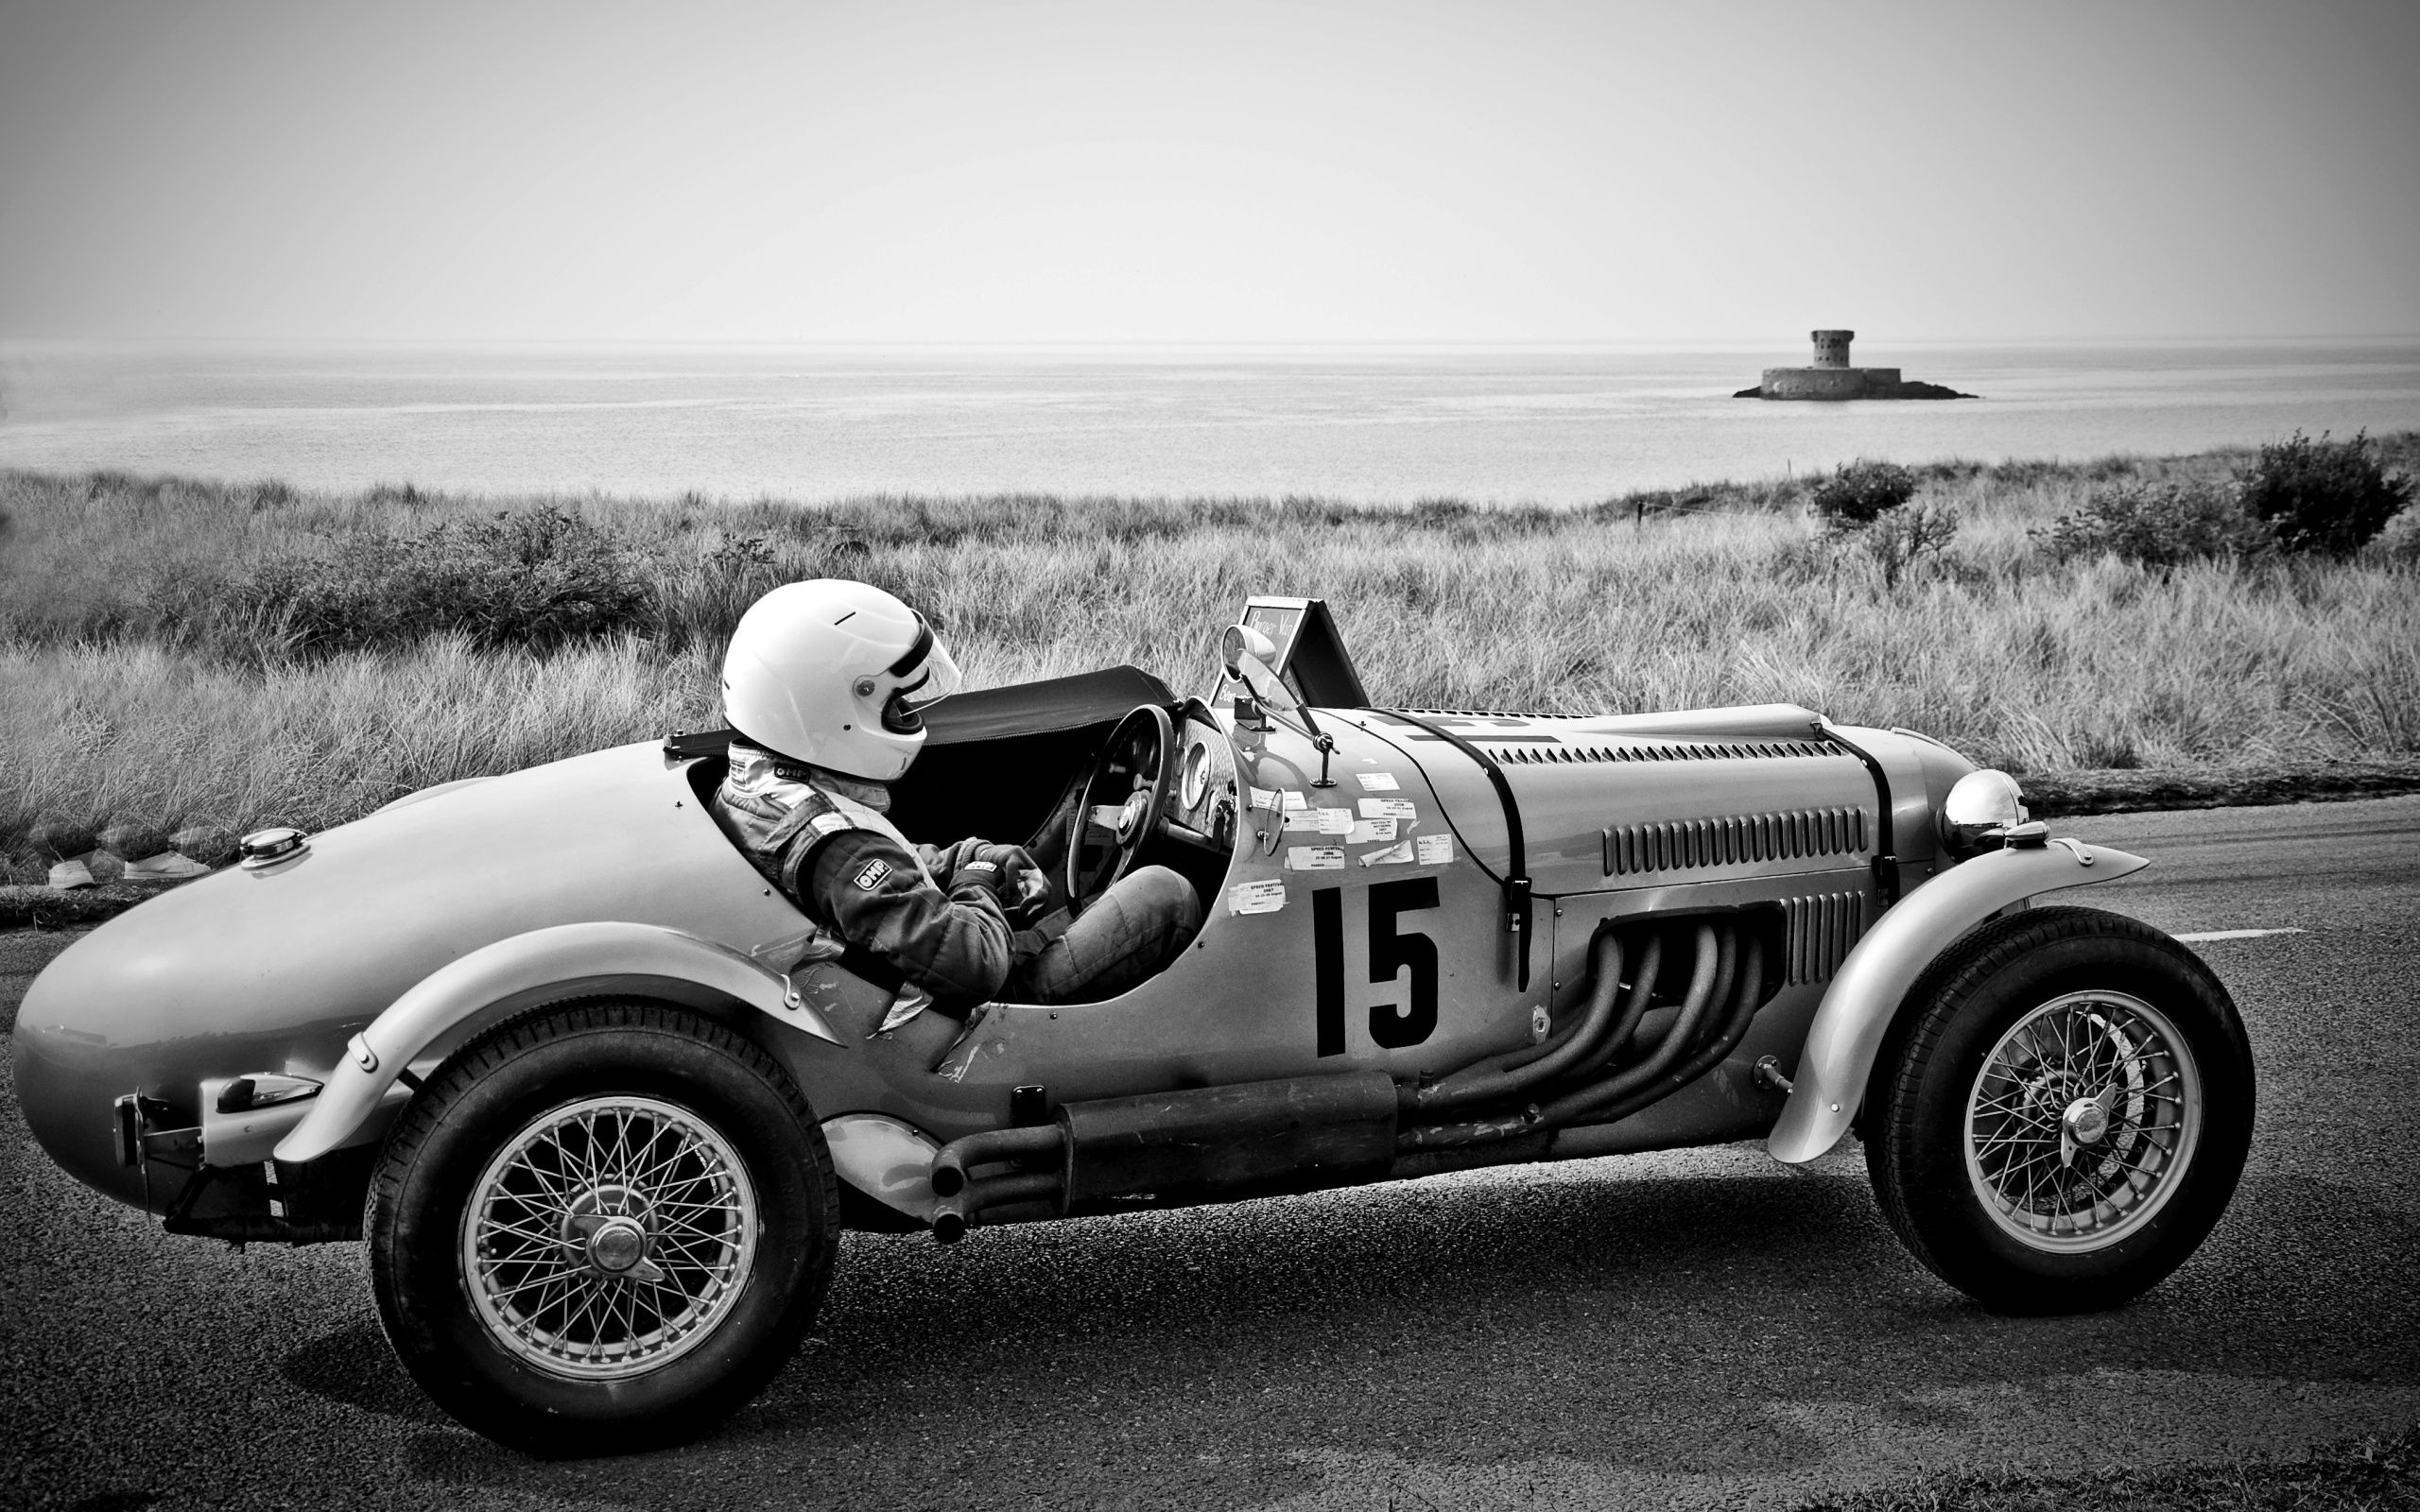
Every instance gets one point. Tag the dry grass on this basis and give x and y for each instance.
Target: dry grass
(140, 684)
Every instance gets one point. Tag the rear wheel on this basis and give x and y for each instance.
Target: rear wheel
(601, 1229)
(2062, 1114)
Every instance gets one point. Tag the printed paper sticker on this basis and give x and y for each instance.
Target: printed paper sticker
(1314, 858)
(1398, 854)
(1312, 820)
(1335, 821)
(1389, 808)
(1263, 798)
(1436, 849)
(1265, 895)
(1294, 804)
(1379, 782)
(1370, 829)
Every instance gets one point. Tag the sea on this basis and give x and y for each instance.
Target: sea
(1378, 424)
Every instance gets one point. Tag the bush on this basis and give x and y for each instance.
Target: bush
(2323, 495)
(1861, 492)
(2158, 525)
(539, 579)
(1903, 538)
(2401, 540)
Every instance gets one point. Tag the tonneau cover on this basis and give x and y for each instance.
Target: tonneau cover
(1044, 707)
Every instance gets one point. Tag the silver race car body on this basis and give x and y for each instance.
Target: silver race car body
(1432, 941)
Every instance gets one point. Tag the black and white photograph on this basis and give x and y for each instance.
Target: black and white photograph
(1287, 756)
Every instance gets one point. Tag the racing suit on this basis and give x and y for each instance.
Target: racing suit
(936, 920)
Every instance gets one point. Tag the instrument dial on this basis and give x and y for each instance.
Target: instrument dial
(1192, 782)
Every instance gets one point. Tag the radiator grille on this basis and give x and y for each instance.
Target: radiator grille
(1680, 844)
(1822, 929)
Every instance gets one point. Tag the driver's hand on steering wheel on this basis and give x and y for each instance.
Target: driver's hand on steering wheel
(1027, 894)
(1021, 886)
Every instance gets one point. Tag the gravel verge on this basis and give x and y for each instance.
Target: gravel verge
(2353, 1476)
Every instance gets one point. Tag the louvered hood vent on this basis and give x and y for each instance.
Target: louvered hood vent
(1821, 930)
(1682, 845)
(1542, 755)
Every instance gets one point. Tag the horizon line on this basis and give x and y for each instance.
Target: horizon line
(1709, 344)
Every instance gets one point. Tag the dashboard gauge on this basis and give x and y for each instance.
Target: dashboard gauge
(1193, 783)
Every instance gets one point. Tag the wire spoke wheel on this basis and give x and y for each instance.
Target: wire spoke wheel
(601, 1226)
(608, 1237)
(2081, 1120)
(2061, 1115)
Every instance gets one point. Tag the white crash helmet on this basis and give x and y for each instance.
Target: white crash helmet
(838, 675)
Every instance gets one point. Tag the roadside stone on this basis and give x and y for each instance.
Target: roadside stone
(91, 868)
(164, 865)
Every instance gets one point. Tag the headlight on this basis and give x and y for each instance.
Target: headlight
(1981, 808)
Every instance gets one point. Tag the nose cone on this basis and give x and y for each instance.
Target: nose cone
(70, 1074)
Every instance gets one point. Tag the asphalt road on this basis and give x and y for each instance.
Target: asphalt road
(1701, 1328)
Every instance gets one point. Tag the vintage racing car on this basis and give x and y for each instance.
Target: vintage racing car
(600, 1100)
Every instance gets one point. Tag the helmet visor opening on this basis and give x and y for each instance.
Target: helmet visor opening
(923, 685)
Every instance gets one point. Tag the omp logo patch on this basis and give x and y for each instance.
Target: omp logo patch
(870, 875)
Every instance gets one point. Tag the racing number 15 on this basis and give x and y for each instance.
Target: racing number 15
(1395, 1027)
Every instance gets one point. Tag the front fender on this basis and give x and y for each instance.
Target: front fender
(1865, 994)
(545, 964)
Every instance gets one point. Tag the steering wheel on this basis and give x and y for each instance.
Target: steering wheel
(1122, 803)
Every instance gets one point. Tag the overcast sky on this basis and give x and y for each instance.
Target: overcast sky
(1493, 172)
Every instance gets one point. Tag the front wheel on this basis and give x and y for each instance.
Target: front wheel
(2062, 1114)
(601, 1229)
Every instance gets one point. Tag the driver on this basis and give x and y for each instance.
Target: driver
(825, 686)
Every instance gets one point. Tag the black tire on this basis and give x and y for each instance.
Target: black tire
(1995, 1031)
(738, 1225)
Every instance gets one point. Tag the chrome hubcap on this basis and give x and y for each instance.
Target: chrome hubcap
(2086, 1120)
(608, 1237)
(2082, 1120)
(616, 1245)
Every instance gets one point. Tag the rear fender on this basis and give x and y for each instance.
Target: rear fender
(529, 970)
(1873, 980)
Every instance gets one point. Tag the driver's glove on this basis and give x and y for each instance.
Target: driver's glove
(1006, 870)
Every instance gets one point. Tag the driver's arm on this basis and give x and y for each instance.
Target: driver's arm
(867, 890)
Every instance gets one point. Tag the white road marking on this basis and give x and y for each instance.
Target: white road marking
(2234, 934)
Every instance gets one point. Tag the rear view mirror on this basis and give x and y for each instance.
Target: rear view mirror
(1237, 642)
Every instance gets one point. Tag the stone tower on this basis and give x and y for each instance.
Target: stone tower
(1830, 375)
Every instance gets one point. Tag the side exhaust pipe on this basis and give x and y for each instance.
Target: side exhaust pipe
(1726, 984)
(1734, 1029)
(950, 1165)
(1176, 1146)
(1495, 1081)
(954, 1214)
(1710, 974)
